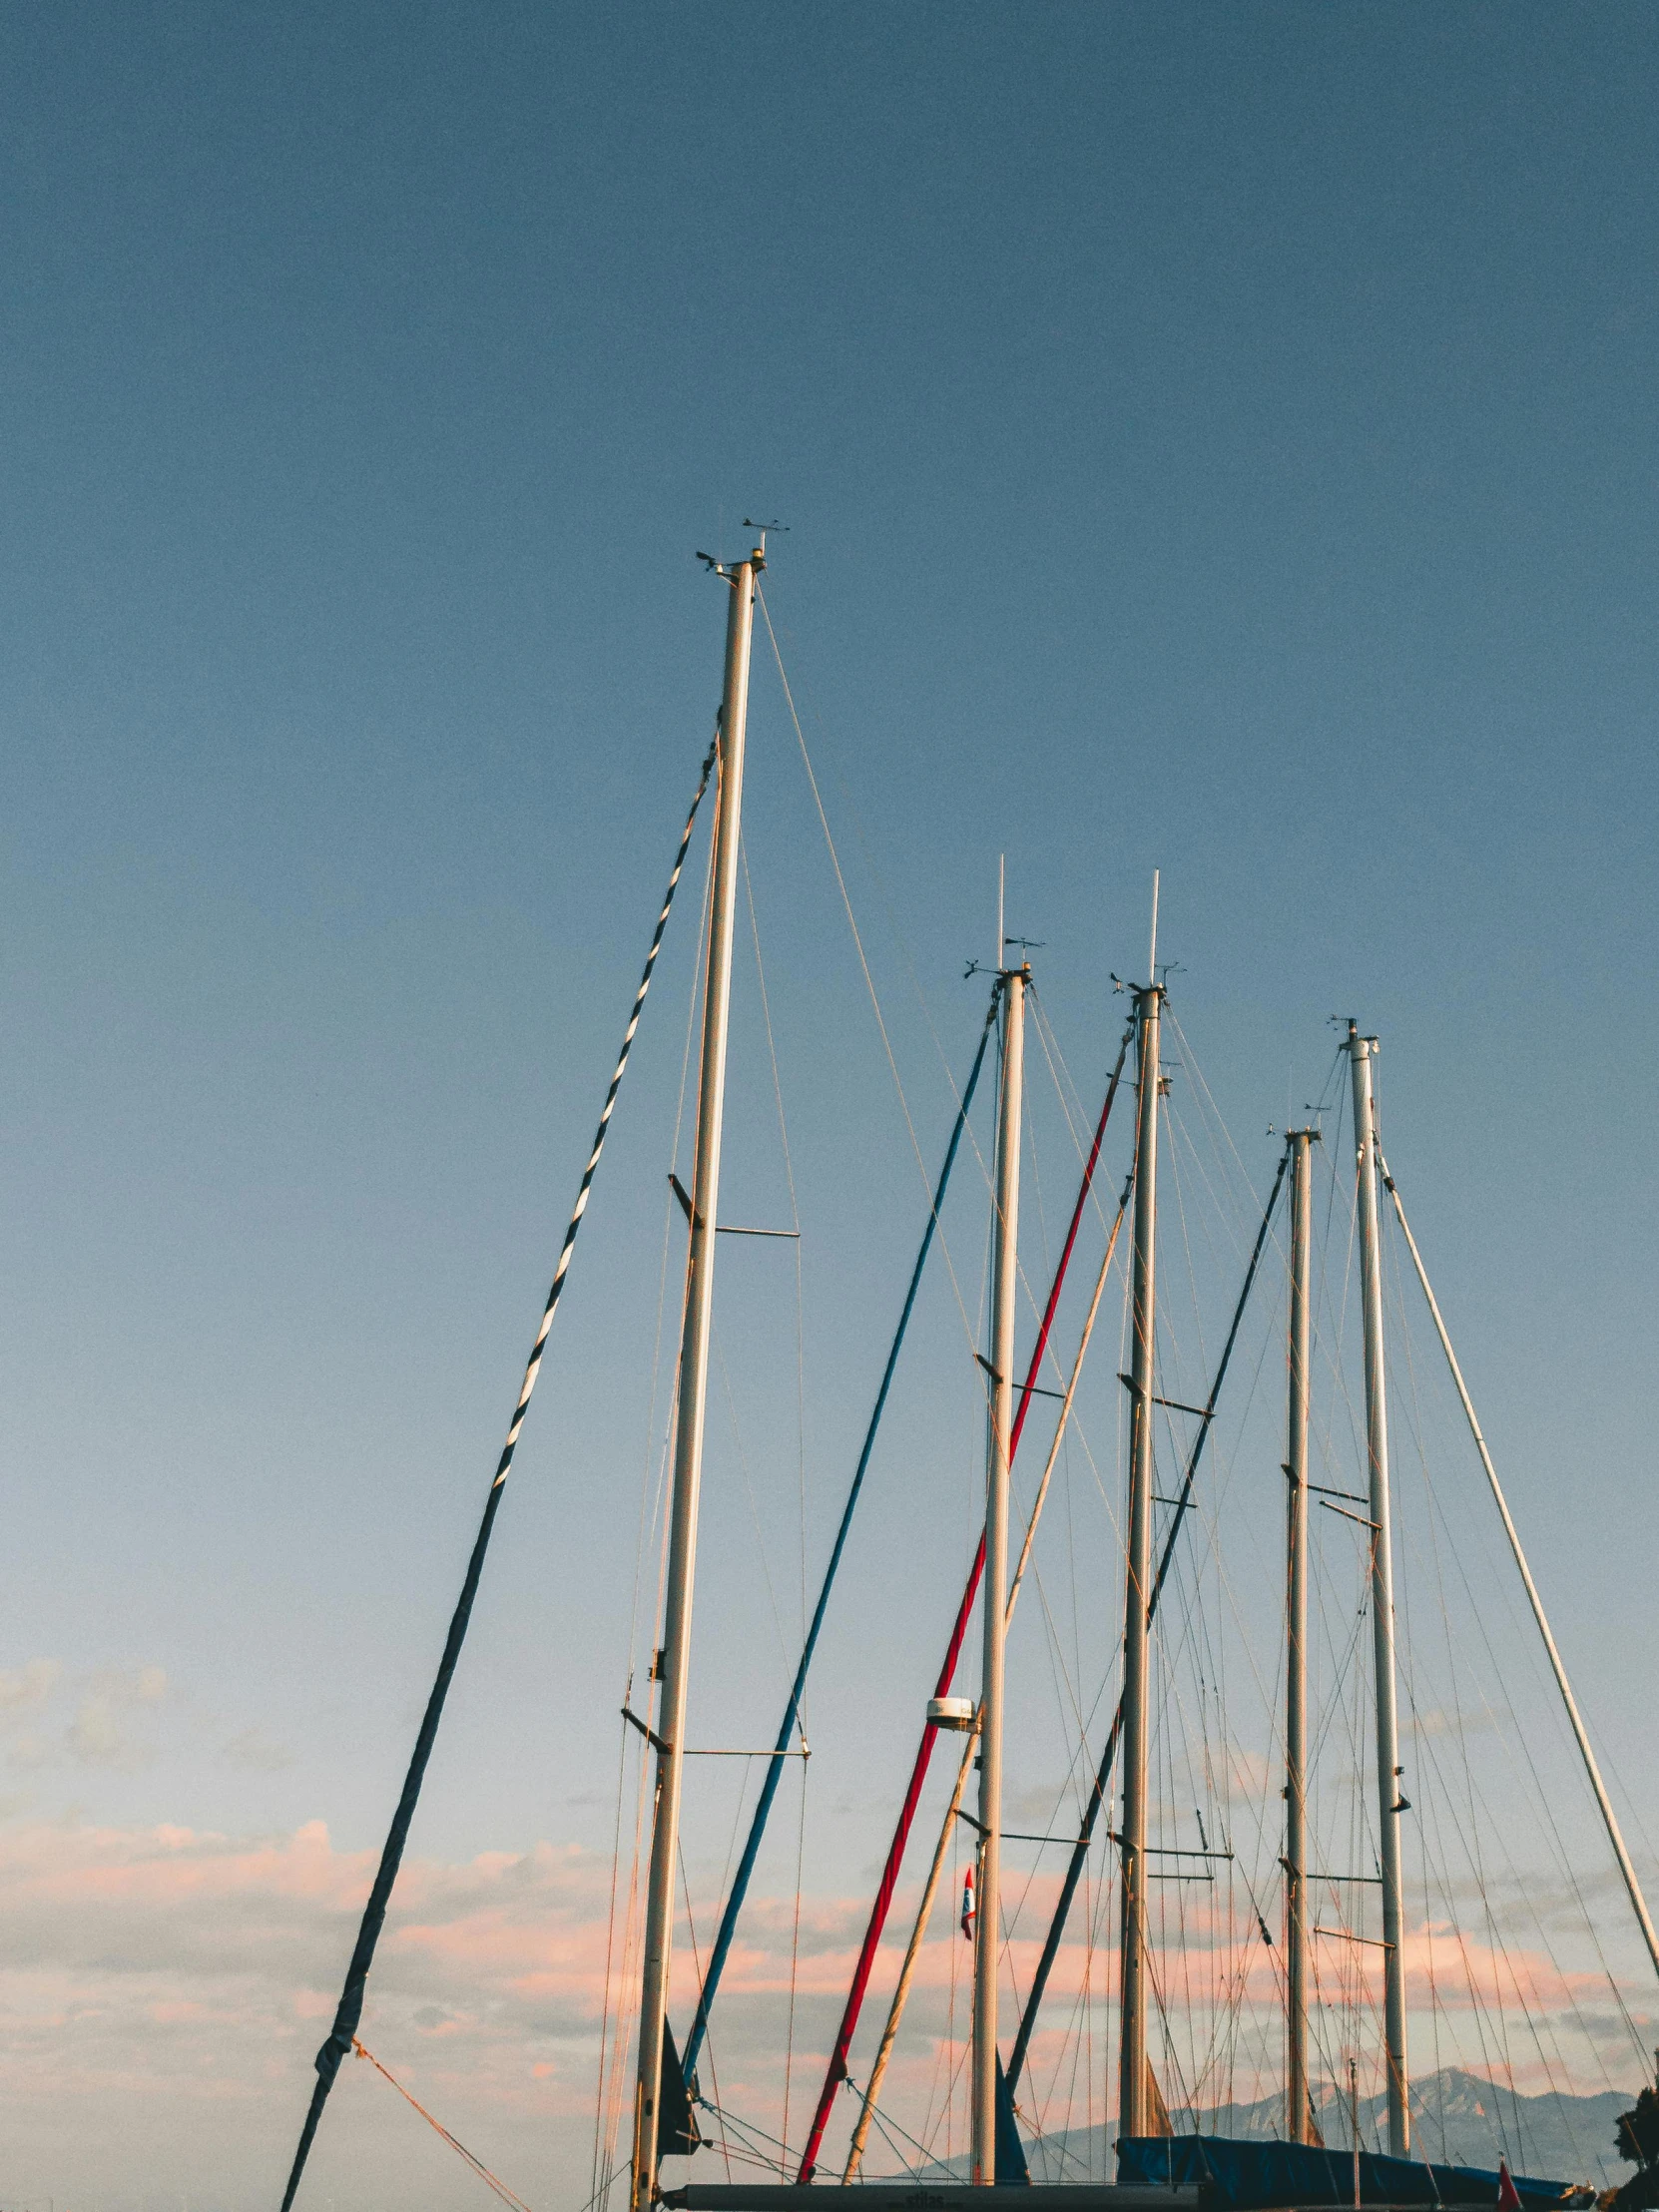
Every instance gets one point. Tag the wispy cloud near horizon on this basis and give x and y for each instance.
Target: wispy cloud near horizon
(176, 1982)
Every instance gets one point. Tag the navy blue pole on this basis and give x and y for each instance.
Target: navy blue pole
(774, 1765)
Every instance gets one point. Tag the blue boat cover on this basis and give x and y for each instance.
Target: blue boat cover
(1248, 2177)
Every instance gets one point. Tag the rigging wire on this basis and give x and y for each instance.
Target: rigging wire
(491, 2181)
(858, 939)
(652, 1514)
(348, 2014)
(949, 1830)
(1516, 1977)
(1096, 1798)
(795, 1220)
(1201, 1746)
(1532, 2011)
(1539, 1796)
(900, 937)
(1351, 1639)
(599, 2104)
(607, 2085)
(1638, 1904)
(734, 1903)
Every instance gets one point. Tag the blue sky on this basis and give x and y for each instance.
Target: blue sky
(1213, 438)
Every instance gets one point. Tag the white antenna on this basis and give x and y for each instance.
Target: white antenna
(1001, 885)
(1152, 953)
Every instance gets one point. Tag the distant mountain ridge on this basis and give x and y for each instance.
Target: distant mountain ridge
(1456, 2118)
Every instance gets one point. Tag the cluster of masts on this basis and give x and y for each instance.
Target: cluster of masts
(1138, 2100)
(1138, 2097)
(661, 2115)
(1135, 2080)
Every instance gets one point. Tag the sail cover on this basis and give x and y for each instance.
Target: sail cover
(1249, 2177)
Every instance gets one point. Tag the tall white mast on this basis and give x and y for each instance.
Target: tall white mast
(1298, 2117)
(994, 1597)
(1389, 1803)
(694, 1375)
(1132, 2097)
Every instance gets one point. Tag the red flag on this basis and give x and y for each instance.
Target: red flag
(968, 1907)
(1508, 2196)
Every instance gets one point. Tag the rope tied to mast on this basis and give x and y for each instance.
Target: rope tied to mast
(343, 2035)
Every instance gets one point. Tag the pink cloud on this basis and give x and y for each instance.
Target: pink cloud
(169, 1987)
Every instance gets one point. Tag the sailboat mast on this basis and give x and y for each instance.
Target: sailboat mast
(694, 1374)
(1300, 1144)
(1361, 1051)
(994, 1596)
(1132, 2097)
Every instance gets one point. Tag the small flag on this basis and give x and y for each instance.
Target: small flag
(1508, 2196)
(967, 1904)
